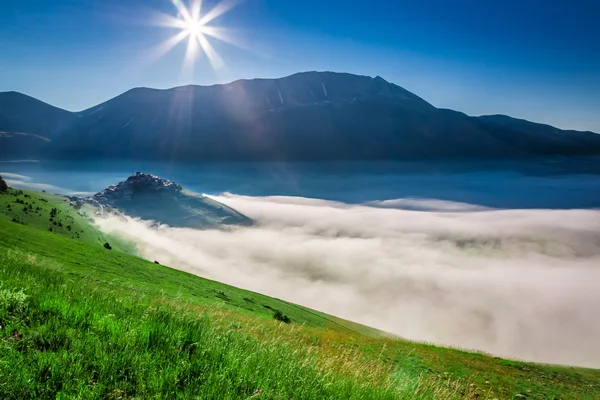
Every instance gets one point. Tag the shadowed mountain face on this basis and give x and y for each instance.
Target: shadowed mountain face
(151, 198)
(306, 116)
(28, 125)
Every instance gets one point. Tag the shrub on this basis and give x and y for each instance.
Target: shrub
(221, 295)
(279, 316)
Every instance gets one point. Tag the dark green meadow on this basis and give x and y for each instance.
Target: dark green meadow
(78, 321)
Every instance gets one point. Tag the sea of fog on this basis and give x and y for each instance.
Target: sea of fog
(502, 257)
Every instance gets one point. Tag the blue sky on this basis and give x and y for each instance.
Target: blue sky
(532, 59)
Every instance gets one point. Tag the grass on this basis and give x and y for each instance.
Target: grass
(84, 341)
(80, 321)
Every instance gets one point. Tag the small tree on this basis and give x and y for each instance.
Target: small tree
(279, 316)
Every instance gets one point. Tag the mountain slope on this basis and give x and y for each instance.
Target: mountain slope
(27, 125)
(540, 138)
(306, 116)
(22, 113)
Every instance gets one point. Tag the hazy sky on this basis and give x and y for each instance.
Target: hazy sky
(531, 59)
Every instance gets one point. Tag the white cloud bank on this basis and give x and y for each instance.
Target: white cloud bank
(518, 283)
(18, 181)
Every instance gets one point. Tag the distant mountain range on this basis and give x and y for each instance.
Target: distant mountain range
(306, 116)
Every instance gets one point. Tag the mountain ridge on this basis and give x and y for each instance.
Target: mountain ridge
(306, 116)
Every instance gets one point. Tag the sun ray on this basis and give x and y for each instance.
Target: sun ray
(196, 9)
(224, 35)
(168, 21)
(218, 10)
(185, 14)
(166, 46)
(191, 52)
(213, 57)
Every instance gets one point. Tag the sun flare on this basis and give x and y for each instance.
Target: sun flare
(194, 25)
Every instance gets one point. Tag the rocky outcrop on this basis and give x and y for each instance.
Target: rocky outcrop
(3, 186)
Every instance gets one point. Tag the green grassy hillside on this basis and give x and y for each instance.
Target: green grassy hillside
(80, 321)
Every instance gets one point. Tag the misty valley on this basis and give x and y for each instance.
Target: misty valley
(499, 257)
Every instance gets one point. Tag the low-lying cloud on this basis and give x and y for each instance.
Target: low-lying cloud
(518, 283)
(19, 181)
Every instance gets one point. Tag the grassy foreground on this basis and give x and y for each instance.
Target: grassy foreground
(80, 321)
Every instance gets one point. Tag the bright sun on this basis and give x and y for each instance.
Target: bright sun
(194, 25)
(193, 28)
